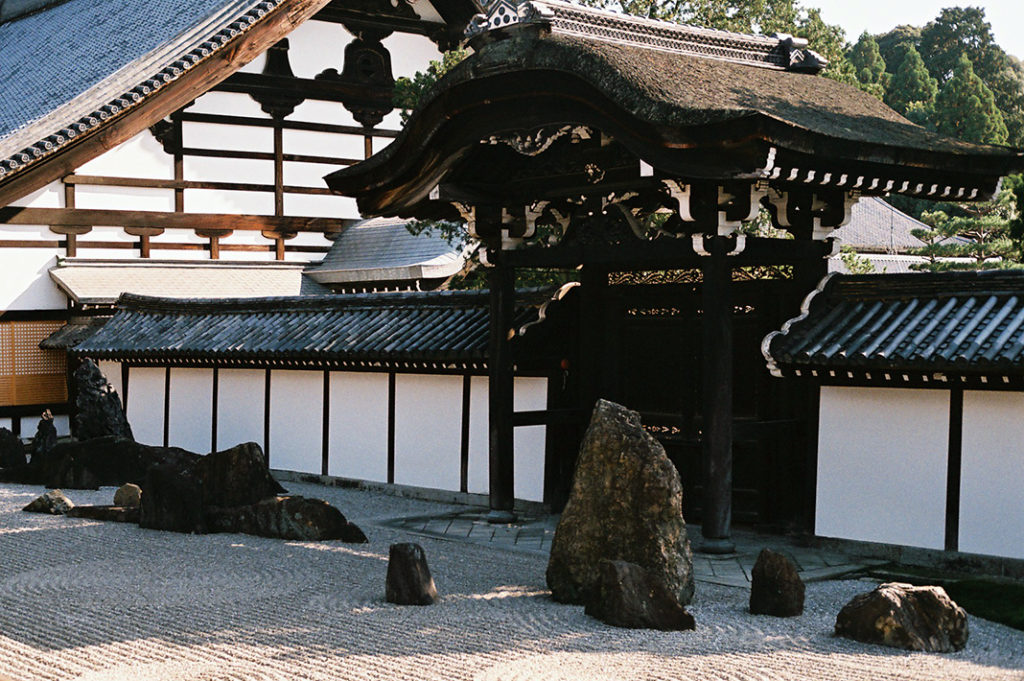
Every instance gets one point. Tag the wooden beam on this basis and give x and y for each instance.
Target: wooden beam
(139, 218)
(105, 181)
(500, 391)
(175, 95)
(224, 119)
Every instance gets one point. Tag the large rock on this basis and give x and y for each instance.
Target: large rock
(629, 596)
(172, 500)
(98, 410)
(408, 579)
(626, 504)
(236, 477)
(54, 502)
(285, 518)
(775, 586)
(12, 450)
(904, 616)
(103, 461)
(45, 438)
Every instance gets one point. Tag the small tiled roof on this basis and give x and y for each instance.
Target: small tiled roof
(447, 327)
(950, 323)
(74, 332)
(382, 249)
(73, 66)
(101, 282)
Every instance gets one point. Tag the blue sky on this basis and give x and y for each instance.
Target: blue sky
(878, 16)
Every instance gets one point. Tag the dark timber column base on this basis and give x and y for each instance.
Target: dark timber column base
(716, 330)
(501, 279)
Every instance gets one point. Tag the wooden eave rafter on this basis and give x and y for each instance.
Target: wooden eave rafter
(242, 49)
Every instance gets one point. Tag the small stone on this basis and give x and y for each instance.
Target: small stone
(629, 596)
(904, 616)
(775, 586)
(128, 495)
(54, 502)
(12, 450)
(408, 580)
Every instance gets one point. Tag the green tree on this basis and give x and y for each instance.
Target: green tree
(965, 108)
(911, 89)
(977, 235)
(963, 30)
(891, 44)
(868, 65)
(408, 91)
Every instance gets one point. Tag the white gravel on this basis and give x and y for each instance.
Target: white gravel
(103, 601)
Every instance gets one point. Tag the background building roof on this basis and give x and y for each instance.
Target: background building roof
(101, 282)
(382, 249)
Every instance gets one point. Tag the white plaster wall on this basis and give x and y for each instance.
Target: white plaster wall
(296, 420)
(239, 406)
(529, 443)
(24, 280)
(531, 394)
(191, 409)
(477, 477)
(146, 404)
(428, 430)
(112, 372)
(992, 474)
(359, 426)
(882, 456)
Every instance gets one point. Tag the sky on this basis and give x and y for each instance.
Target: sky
(879, 16)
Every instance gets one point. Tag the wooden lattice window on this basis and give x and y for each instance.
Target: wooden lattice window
(28, 374)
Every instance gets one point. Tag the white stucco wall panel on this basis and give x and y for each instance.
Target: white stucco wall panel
(478, 474)
(124, 198)
(190, 418)
(531, 394)
(882, 455)
(146, 404)
(359, 426)
(296, 420)
(239, 407)
(992, 474)
(428, 430)
(50, 196)
(112, 372)
(25, 282)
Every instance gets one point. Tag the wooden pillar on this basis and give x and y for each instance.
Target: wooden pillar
(501, 279)
(716, 329)
(593, 295)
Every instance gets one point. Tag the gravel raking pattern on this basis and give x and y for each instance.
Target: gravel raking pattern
(104, 602)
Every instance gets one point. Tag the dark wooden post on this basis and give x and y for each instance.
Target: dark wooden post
(592, 376)
(716, 328)
(501, 279)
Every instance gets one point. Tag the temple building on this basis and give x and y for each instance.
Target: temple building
(686, 186)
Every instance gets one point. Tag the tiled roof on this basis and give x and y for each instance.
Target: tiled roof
(71, 67)
(950, 323)
(101, 282)
(382, 249)
(449, 327)
(74, 332)
(876, 226)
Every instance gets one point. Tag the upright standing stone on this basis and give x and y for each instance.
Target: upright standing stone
(775, 586)
(904, 616)
(98, 410)
(626, 504)
(172, 500)
(12, 450)
(409, 581)
(45, 438)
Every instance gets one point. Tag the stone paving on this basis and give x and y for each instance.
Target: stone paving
(533, 534)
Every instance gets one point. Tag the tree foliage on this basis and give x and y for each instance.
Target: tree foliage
(911, 89)
(965, 108)
(868, 65)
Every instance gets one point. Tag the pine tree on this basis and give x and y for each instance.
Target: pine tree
(966, 109)
(971, 236)
(868, 65)
(912, 90)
